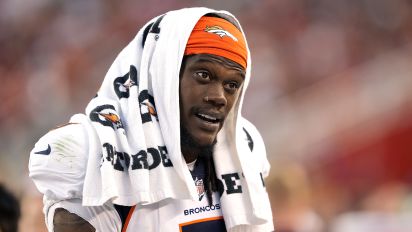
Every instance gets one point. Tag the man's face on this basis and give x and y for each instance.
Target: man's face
(209, 87)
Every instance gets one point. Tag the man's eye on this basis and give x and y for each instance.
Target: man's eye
(202, 75)
(232, 85)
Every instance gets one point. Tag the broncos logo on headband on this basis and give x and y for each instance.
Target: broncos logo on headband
(220, 32)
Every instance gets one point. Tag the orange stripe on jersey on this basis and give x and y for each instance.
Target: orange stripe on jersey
(129, 216)
(199, 221)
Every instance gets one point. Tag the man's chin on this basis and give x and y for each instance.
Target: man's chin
(204, 146)
(204, 142)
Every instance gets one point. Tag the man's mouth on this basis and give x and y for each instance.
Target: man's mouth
(209, 117)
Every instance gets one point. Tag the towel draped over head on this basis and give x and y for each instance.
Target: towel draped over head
(134, 131)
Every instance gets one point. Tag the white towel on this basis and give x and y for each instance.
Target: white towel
(135, 117)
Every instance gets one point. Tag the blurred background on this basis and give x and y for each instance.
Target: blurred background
(331, 93)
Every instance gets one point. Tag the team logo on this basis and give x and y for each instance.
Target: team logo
(218, 30)
(147, 106)
(151, 109)
(123, 84)
(44, 152)
(129, 83)
(107, 116)
(111, 117)
(200, 188)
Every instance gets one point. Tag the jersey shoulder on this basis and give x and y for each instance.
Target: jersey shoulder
(58, 162)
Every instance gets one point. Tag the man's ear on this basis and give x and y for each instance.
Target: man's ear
(64, 221)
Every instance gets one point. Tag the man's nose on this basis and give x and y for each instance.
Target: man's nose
(216, 95)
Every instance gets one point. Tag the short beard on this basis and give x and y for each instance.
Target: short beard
(187, 140)
(205, 155)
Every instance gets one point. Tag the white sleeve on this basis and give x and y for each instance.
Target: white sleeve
(58, 162)
(57, 166)
(103, 218)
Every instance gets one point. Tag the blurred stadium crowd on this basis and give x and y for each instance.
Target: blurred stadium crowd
(331, 94)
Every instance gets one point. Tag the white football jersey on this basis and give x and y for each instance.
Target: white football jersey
(179, 215)
(58, 165)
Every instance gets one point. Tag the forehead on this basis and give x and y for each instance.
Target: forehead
(213, 60)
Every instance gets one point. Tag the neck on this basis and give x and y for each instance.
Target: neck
(190, 153)
(190, 149)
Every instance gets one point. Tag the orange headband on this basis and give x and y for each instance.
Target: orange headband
(219, 37)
